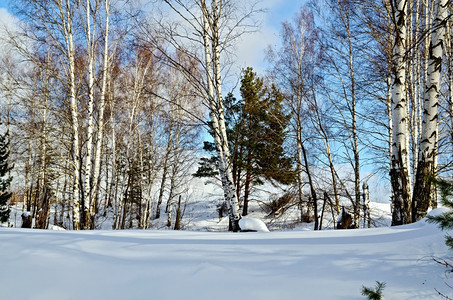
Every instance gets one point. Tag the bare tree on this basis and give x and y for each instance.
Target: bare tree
(208, 28)
(294, 67)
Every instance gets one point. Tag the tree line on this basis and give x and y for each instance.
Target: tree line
(107, 103)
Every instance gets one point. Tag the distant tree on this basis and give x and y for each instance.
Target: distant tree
(5, 179)
(294, 66)
(374, 294)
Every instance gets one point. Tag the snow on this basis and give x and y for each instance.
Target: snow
(55, 227)
(252, 224)
(136, 264)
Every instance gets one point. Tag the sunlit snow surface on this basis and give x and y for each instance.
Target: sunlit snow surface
(38, 264)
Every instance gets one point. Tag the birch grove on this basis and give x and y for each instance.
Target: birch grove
(108, 103)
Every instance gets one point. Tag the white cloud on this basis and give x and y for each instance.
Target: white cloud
(250, 50)
(7, 23)
(6, 18)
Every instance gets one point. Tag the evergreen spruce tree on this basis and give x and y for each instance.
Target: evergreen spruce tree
(256, 134)
(5, 179)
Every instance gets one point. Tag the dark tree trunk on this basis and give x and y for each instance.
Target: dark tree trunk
(248, 179)
(178, 215)
(401, 212)
(312, 188)
(44, 206)
(422, 189)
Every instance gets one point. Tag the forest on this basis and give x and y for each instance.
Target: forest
(110, 109)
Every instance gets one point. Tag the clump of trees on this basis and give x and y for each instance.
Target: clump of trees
(256, 131)
(107, 105)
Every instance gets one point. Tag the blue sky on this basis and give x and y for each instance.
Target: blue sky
(250, 51)
(279, 10)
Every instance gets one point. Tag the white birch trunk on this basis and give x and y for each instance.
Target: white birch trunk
(164, 170)
(101, 126)
(176, 162)
(300, 172)
(389, 117)
(216, 113)
(354, 133)
(115, 173)
(65, 13)
(89, 35)
(218, 84)
(400, 155)
(429, 134)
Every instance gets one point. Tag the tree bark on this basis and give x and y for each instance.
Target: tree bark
(426, 170)
(400, 168)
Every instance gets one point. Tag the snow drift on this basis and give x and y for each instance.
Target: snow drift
(38, 264)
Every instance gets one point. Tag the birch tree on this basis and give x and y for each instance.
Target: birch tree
(294, 67)
(342, 39)
(213, 25)
(90, 35)
(49, 29)
(426, 169)
(400, 168)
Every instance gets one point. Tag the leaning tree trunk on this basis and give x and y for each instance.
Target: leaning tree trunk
(428, 145)
(399, 172)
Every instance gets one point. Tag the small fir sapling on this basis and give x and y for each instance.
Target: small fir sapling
(445, 220)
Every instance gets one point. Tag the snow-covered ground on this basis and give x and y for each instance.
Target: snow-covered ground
(135, 264)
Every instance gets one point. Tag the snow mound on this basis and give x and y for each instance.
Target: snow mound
(55, 227)
(438, 211)
(253, 224)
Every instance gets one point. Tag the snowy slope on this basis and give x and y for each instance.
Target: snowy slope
(211, 265)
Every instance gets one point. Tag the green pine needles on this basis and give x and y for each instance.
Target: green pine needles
(374, 294)
(445, 220)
